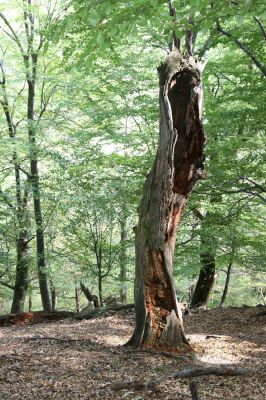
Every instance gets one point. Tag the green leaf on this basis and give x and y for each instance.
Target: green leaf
(69, 22)
(94, 17)
(45, 47)
(107, 8)
(100, 39)
(154, 3)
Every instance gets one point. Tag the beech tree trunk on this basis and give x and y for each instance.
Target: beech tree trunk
(177, 167)
(21, 212)
(207, 275)
(205, 281)
(123, 261)
(53, 295)
(22, 272)
(40, 247)
(77, 299)
(226, 286)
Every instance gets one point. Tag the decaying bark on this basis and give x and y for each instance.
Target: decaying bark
(177, 167)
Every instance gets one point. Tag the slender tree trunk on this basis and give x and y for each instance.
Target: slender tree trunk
(227, 281)
(190, 292)
(177, 167)
(77, 299)
(100, 288)
(207, 275)
(205, 281)
(40, 247)
(53, 295)
(123, 263)
(21, 212)
(21, 282)
(30, 303)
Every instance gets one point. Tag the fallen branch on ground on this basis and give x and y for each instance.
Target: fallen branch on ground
(96, 312)
(34, 317)
(191, 372)
(57, 339)
(167, 354)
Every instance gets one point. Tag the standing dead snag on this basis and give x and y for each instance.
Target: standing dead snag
(177, 167)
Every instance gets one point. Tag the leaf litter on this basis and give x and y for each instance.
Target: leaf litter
(70, 359)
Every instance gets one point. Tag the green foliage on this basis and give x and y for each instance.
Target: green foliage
(98, 133)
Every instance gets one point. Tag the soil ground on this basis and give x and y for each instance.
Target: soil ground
(34, 364)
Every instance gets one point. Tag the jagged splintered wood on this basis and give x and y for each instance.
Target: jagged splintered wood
(177, 167)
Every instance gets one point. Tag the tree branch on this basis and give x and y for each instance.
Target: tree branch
(15, 36)
(219, 370)
(6, 200)
(190, 38)
(243, 47)
(261, 27)
(172, 12)
(7, 285)
(198, 213)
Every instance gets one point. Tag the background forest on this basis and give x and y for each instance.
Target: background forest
(79, 126)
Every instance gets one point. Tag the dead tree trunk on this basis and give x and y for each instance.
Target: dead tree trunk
(177, 167)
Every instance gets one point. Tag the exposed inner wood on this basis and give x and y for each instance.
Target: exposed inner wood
(177, 167)
(163, 325)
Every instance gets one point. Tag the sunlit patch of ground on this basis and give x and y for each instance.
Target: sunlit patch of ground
(32, 368)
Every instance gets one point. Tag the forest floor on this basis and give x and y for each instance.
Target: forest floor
(72, 359)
